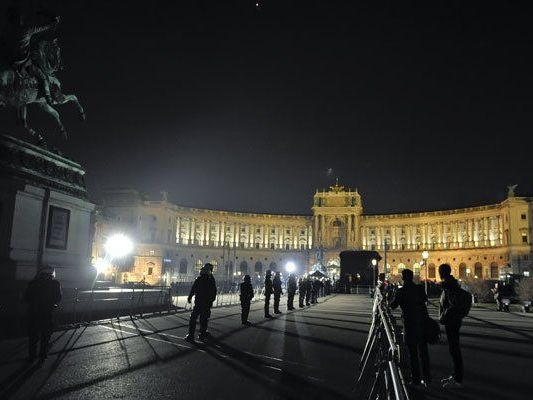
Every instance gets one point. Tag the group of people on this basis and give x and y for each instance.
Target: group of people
(412, 299)
(204, 291)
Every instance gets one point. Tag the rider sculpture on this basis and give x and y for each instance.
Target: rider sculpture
(27, 74)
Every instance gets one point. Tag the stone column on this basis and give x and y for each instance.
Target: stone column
(178, 230)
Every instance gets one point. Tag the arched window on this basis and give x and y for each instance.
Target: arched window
(183, 266)
(243, 267)
(228, 268)
(462, 271)
(337, 223)
(273, 267)
(478, 270)
(258, 267)
(416, 269)
(199, 265)
(494, 271)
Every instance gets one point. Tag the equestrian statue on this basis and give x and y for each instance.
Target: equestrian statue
(29, 62)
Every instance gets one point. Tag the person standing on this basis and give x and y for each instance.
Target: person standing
(42, 295)
(308, 291)
(276, 283)
(302, 287)
(412, 300)
(204, 290)
(268, 292)
(246, 295)
(291, 291)
(498, 296)
(451, 316)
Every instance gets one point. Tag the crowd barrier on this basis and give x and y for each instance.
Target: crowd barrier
(381, 373)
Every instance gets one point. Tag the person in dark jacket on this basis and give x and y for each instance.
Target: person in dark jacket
(204, 290)
(276, 284)
(268, 292)
(451, 320)
(246, 296)
(308, 291)
(291, 291)
(302, 288)
(42, 295)
(412, 300)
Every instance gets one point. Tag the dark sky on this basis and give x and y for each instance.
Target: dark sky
(229, 106)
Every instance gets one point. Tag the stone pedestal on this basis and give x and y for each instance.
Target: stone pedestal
(45, 217)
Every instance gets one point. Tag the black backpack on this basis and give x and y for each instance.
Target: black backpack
(461, 300)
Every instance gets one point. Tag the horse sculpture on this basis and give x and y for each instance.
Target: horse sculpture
(18, 89)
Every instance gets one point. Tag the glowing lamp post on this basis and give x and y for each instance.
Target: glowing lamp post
(374, 265)
(425, 256)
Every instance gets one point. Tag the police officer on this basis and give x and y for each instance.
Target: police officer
(268, 292)
(42, 295)
(204, 291)
(308, 291)
(302, 287)
(276, 283)
(246, 295)
(291, 291)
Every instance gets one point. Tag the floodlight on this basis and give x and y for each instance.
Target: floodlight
(290, 267)
(118, 245)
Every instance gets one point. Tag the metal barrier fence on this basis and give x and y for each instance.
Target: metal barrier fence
(86, 305)
(381, 376)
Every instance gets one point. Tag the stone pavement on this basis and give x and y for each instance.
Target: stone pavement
(310, 353)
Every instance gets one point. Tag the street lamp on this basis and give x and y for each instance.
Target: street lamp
(425, 256)
(374, 264)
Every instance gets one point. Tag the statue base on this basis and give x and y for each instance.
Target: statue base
(45, 218)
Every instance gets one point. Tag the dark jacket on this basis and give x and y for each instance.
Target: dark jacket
(447, 313)
(268, 286)
(276, 284)
(291, 285)
(247, 292)
(302, 285)
(412, 300)
(204, 289)
(42, 294)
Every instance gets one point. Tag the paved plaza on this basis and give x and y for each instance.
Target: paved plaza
(310, 353)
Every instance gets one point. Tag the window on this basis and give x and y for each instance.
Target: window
(243, 230)
(288, 232)
(524, 238)
(273, 231)
(302, 247)
(150, 270)
(257, 245)
(523, 216)
(302, 232)
(272, 246)
(287, 246)
(258, 230)
(183, 266)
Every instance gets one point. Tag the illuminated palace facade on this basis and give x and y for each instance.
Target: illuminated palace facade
(172, 242)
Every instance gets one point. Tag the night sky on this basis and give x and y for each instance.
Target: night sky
(226, 105)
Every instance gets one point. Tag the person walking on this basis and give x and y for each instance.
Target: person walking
(412, 300)
(246, 296)
(291, 291)
(302, 287)
(42, 295)
(276, 283)
(268, 292)
(204, 290)
(451, 315)
(498, 296)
